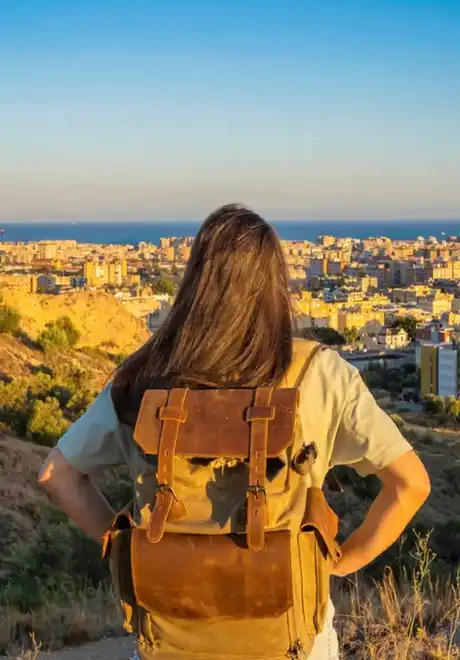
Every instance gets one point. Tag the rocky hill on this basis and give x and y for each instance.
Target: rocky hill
(99, 317)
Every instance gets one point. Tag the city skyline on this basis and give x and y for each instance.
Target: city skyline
(163, 111)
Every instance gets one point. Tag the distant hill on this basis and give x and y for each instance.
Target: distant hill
(99, 317)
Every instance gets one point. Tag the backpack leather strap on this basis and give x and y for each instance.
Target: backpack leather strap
(307, 362)
(166, 504)
(258, 416)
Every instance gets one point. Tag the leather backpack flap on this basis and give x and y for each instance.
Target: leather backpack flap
(212, 577)
(215, 423)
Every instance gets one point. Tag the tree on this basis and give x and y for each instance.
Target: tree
(351, 335)
(327, 336)
(52, 337)
(163, 286)
(66, 324)
(434, 405)
(409, 324)
(10, 319)
(453, 407)
(59, 334)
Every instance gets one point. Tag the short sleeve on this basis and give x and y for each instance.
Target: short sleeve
(95, 440)
(367, 438)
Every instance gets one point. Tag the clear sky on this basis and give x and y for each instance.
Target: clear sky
(163, 109)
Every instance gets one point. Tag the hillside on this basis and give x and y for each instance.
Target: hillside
(21, 503)
(65, 598)
(99, 317)
(20, 358)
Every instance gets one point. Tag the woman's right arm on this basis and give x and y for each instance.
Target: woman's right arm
(405, 487)
(368, 440)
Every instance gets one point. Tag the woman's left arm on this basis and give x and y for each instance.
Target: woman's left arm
(76, 494)
(93, 443)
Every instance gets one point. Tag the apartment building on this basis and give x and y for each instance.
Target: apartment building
(440, 369)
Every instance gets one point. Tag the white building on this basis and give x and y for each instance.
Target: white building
(448, 371)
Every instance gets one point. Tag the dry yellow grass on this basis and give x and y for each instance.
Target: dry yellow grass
(89, 616)
(419, 618)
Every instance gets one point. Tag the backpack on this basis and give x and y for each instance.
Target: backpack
(232, 558)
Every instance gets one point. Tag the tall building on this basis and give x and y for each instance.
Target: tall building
(47, 250)
(440, 369)
(117, 272)
(428, 369)
(90, 272)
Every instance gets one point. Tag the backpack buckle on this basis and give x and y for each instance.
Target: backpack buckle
(166, 488)
(256, 490)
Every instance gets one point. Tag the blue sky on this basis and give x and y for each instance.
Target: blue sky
(164, 109)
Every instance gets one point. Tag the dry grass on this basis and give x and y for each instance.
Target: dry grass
(419, 618)
(89, 616)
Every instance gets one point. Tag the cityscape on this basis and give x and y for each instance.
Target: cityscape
(380, 301)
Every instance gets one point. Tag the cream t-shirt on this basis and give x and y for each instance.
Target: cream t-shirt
(338, 413)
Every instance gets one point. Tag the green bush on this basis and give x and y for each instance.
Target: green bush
(163, 285)
(327, 336)
(433, 405)
(40, 385)
(80, 402)
(61, 561)
(59, 334)
(10, 320)
(46, 422)
(398, 420)
(15, 405)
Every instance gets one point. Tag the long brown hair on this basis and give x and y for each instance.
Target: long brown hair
(231, 322)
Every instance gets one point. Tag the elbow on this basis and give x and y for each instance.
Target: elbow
(417, 492)
(55, 475)
(47, 479)
(424, 489)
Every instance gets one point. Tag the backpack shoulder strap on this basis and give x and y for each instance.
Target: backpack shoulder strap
(303, 354)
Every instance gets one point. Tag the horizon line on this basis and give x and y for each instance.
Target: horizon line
(6, 223)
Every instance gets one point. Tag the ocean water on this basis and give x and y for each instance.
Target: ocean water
(131, 233)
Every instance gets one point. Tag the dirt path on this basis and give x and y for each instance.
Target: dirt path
(106, 649)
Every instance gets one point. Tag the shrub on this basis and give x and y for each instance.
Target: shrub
(59, 334)
(40, 385)
(10, 319)
(14, 405)
(398, 420)
(327, 336)
(41, 573)
(453, 407)
(46, 423)
(164, 286)
(433, 405)
(80, 402)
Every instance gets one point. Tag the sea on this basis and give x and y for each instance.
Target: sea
(132, 233)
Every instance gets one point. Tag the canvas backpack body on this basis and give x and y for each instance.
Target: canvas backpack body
(232, 557)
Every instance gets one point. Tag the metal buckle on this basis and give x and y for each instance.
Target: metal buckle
(166, 487)
(256, 490)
